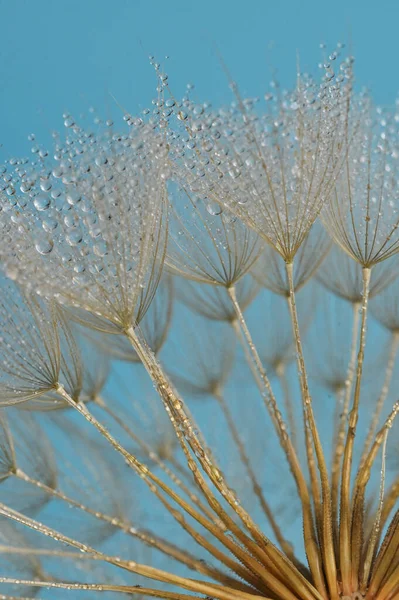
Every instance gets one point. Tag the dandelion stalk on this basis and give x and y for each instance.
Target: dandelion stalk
(271, 404)
(340, 437)
(326, 516)
(165, 389)
(345, 517)
(224, 593)
(358, 502)
(153, 456)
(281, 372)
(374, 536)
(151, 479)
(99, 587)
(149, 538)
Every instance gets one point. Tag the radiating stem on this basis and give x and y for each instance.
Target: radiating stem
(359, 497)
(152, 455)
(215, 591)
(345, 502)
(311, 547)
(154, 483)
(263, 548)
(327, 541)
(390, 500)
(386, 557)
(96, 587)
(340, 439)
(374, 536)
(147, 538)
(178, 413)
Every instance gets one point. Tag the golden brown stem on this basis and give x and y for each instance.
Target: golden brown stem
(325, 523)
(154, 483)
(358, 503)
(386, 556)
(372, 543)
(152, 455)
(345, 502)
(220, 593)
(96, 587)
(176, 409)
(149, 538)
(339, 445)
(311, 546)
(390, 500)
(281, 372)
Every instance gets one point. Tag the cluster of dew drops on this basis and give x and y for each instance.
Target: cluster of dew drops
(215, 149)
(68, 202)
(50, 184)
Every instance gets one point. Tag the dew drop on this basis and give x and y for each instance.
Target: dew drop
(44, 246)
(42, 202)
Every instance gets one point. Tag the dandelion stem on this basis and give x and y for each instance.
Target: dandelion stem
(327, 543)
(281, 372)
(154, 482)
(263, 548)
(374, 536)
(154, 457)
(220, 593)
(312, 550)
(149, 538)
(339, 440)
(386, 557)
(390, 499)
(345, 504)
(359, 491)
(98, 587)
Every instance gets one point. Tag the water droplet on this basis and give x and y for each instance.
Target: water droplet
(69, 121)
(44, 246)
(42, 202)
(74, 238)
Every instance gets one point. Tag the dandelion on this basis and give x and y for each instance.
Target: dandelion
(99, 226)
(32, 341)
(154, 325)
(361, 214)
(199, 485)
(208, 244)
(343, 276)
(270, 271)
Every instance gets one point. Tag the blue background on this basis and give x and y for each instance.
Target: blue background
(61, 56)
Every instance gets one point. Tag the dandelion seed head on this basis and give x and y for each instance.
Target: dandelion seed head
(91, 226)
(272, 170)
(361, 214)
(30, 352)
(207, 243)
